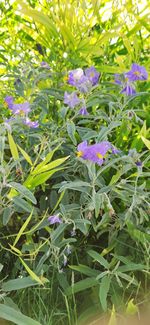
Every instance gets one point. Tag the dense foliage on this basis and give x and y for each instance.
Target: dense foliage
(75, 162)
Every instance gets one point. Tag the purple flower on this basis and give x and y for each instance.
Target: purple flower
(83, 111)
(45, 65)
(118, 79)
(92, 75)
(31, 124)
(71, 99)
(138, 163)
(84, 84)
(54, 219)
(114, 150)
(9, 101)
(23, 108)
(137, 72)
(83, 81)
(75, 76)
(128, 90)
(95, 152)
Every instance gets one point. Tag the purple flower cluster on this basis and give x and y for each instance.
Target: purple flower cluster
(54, 219)
(45, 65)
(83, 81)
(71, 99)
(96, 152)
(21, 109)
(136, 73)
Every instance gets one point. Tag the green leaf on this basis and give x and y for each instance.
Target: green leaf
(113, 320)
(19, 283)
(110, 69)
(21, 203)
(13, 147)
(103, 291)
(22, 229)
(7, 215)
(46, 160)
(85, 270)
(82, 285)
(127, 278)
(97, 203)
(146, 142)
(100, 259)
(115, 178)
(57, 232)
(25, 155)
(49, 166)
(15, 316)
(34, 181)
(39, 17)
(31, 273)
(131, 309)
(131, 267)
(23, 191)
(68, 37)
(71, 129)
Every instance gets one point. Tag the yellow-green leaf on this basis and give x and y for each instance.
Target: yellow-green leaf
(13, 147)
(146, 142)
(25, 155)
(131, 309)
(49, 166)
(113, 320)
(30, 272)
(16, 250)
(22, 228)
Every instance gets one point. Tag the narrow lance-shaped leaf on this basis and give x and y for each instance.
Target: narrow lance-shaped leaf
(30, 272)
(23, 228)
(100, 259)
(12, 315)
(25, 155)
(103, 291)
(13, 147)
(23, 191)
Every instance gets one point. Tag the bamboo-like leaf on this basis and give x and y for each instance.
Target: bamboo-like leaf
(30, 272)
(82, 285)
(25, 155)
(100, 259)
(49, 166)
(85, 270)
(113, 320)
(33, 181)
(18, 283)
(13, 147)
(39, 17)
(23, 191)
(146, 142)
(103, 291)
(22, 229)
(13, 315)
(131, 309)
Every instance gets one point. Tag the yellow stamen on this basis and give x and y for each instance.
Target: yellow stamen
(65, 78)
(137, 73)
(92, 74)
(79, 153)
(99, 155)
